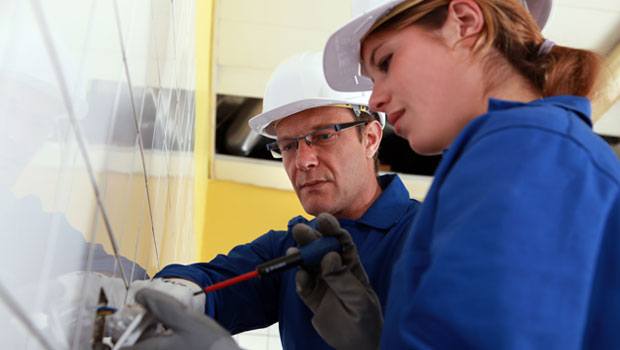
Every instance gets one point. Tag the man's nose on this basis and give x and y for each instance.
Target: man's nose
(306, 156)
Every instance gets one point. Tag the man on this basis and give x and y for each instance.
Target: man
(328, 143)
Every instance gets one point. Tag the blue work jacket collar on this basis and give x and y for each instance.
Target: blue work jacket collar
(389, 208)
(384, 213)
(577, 104)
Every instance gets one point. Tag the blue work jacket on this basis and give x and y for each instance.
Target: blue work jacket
(517, 244)
(379, 235)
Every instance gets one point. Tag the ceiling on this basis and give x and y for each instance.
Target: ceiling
(591, 24)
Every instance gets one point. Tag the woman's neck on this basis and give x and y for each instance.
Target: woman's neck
(506, 83)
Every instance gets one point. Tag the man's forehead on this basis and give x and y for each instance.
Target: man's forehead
(311, 119)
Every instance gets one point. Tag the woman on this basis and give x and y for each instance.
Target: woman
(517, 244)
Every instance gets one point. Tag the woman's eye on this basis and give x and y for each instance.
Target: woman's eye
(384, 64)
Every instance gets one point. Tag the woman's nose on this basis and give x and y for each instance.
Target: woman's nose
(379, 98)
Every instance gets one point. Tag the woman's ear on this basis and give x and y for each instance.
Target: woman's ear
(464, 24)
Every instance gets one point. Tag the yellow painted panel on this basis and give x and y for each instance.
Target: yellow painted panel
(238, 213)
(258, 45)
(205, 115)
(243, 10)
(241, 81)
(315, 14)
(254, 36)
(326, 15)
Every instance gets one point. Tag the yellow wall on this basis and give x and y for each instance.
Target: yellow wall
(238, 213)
(205, 115)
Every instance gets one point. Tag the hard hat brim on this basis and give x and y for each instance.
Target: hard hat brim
(540, 11)
(341, 56)
(263, 123)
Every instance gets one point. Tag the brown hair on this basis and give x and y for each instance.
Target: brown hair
(512, 31)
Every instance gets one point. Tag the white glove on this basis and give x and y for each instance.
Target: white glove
(181, 289)
(186, 329)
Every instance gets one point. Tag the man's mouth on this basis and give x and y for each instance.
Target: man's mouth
(311, 184)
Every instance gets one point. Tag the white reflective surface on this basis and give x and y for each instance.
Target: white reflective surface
(87, 201)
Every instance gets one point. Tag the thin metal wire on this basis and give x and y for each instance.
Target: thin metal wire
(137, 126)
(112, 125)
(133, 159)
(110, 141)
(55, 61)
(12, 304)
(63, 187)
(129, 185)
(157, 48)
(156, 91)
(187, 113)
(171, 50)
(187, 123)
(173, 123)
(175, 49)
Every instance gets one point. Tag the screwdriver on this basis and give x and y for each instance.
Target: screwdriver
(308, 255)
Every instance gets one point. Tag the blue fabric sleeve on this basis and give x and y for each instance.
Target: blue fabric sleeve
(248, 305)
(515, 241)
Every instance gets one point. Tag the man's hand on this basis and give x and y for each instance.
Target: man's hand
(190, 330)
(347, 312)
(181, 289)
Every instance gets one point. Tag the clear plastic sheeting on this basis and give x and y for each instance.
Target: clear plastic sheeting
(96, 158)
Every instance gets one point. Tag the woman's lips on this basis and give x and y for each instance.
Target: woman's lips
(394, 117)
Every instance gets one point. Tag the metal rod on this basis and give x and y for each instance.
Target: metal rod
(137, 126)
(55, 61)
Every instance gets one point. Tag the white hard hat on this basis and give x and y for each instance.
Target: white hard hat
(341, 60)
(299, 84)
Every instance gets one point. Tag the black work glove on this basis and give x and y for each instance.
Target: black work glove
(190, 330)
(347, 312)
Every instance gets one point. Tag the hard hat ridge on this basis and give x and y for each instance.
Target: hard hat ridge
(299, 84)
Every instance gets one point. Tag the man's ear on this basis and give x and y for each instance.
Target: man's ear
(372, 138)
(464, 24)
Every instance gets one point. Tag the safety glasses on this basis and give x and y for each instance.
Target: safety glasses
(320, 137)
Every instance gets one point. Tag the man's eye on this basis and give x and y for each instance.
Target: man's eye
(384, 64)
(286, 147)
(324, 136)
